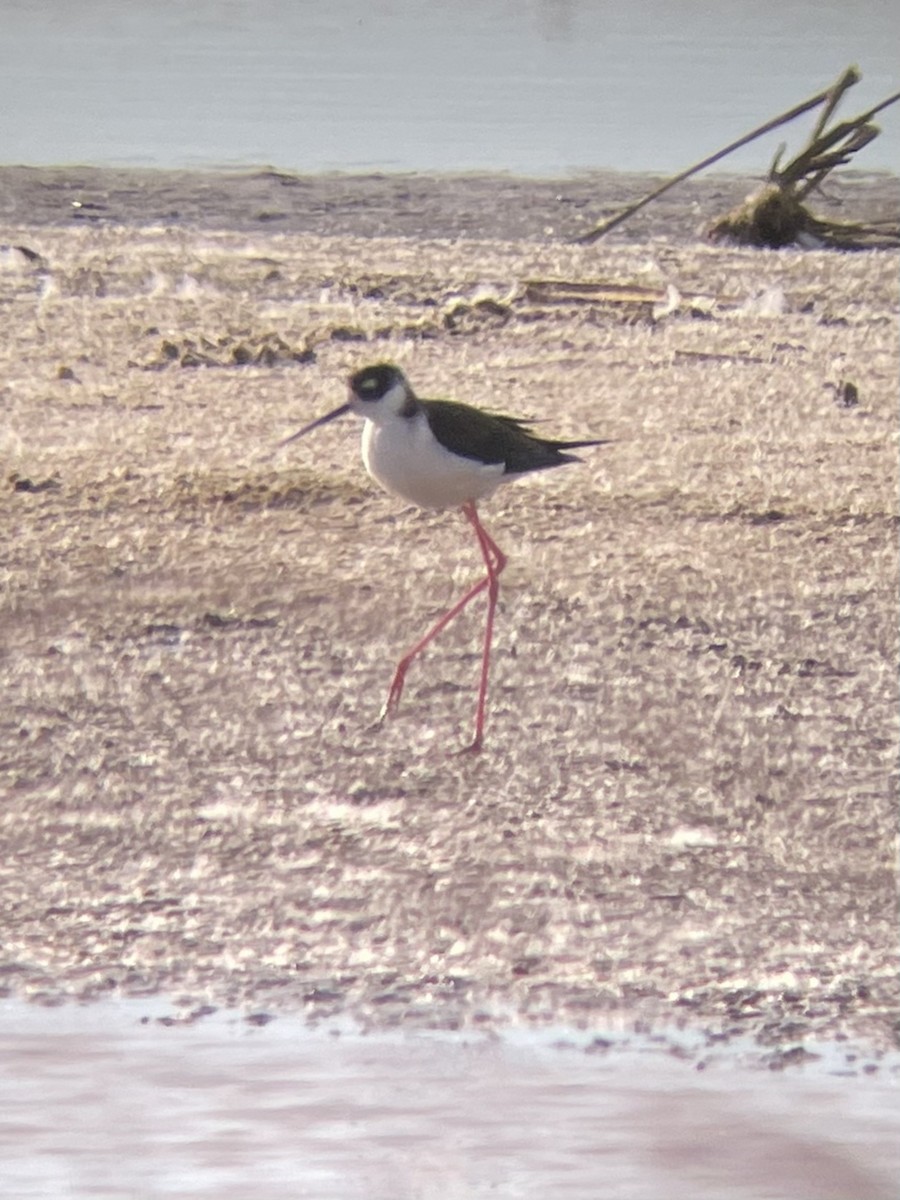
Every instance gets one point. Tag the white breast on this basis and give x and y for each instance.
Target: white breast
(403, 456)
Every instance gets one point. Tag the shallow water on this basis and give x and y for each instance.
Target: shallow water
(536, 87)
(110, 1101)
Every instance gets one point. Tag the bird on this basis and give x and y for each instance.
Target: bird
(439, 454)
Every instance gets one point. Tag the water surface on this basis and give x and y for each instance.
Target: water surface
(534, 87)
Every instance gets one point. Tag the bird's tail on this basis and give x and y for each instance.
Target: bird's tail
(562, 447)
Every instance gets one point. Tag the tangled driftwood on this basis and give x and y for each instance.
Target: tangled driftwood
(776, 215)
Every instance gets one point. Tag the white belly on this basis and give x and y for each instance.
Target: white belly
(404, 457)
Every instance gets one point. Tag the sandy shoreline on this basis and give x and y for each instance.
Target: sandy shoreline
(500, 207)
(686, 809)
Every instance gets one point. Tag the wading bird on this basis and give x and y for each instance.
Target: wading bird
(443, 454)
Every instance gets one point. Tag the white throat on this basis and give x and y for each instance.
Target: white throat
(388, 409)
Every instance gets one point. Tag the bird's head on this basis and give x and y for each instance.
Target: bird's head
(377, 393)
(381, 392)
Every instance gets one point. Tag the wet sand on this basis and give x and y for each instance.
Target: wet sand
(471, 205)
(685, 811)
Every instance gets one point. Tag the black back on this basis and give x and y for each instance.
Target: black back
(494, 438)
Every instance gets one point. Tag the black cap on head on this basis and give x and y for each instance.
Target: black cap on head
(372, 383)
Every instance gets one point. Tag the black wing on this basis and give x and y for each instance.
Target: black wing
(494, 438)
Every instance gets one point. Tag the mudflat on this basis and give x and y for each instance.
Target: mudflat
(686, 808)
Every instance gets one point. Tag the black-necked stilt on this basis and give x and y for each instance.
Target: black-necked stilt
(442, 454)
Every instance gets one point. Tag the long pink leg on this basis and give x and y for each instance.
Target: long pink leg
(494, 561)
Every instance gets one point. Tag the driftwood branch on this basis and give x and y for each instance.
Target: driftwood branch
(850, 77)
(775, 216)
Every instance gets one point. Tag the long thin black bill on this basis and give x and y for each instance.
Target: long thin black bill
(332, 416)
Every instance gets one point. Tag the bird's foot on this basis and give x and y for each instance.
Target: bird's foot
(393, 699)
(388, 709)
(474, 747)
